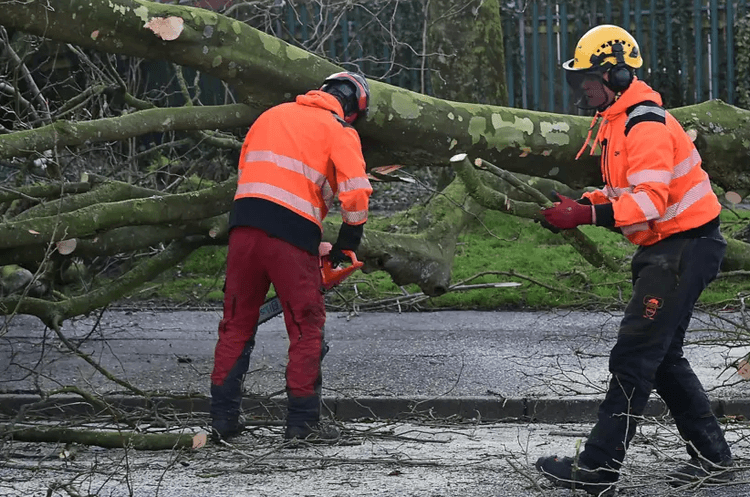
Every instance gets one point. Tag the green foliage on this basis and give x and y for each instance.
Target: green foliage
(193, 183)
(733, 221)
(158, 161)
(206, 260)
(189, 288)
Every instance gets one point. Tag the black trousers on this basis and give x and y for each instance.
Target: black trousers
(668, 278)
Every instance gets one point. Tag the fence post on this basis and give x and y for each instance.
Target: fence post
(303, 20)
(535, 54)
(652, 42)
(607, 12)
(626, 15)
(730, 53)
(290, 25)
(698, 27)
(638, 30)
(564, 52)
(344, 25)
(714, 53)
(551, 59)
(509, 75)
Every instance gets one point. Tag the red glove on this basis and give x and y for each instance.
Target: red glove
(568, 213)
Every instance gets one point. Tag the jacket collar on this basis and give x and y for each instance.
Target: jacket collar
(321, 100)
(637, 92)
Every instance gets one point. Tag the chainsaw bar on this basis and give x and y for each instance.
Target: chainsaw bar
(270, 309)
(330, 276)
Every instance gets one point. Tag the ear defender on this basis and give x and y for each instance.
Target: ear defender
(620, 75)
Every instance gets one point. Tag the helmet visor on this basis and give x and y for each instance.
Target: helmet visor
(589, 89)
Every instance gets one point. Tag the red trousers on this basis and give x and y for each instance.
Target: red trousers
(255, 260)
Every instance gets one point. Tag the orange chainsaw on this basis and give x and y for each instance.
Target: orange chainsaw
(331, 276)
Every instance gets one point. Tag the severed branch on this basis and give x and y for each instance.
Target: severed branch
(53, 314)
(37, 192)
(67, 133)
(108, 439)
(492, 199)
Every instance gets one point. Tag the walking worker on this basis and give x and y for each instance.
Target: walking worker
(295, 158)
(658, 195)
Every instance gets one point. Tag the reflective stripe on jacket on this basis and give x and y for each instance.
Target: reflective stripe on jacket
(651, 169)
(300, 155)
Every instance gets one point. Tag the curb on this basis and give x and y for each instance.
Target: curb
(546, 410)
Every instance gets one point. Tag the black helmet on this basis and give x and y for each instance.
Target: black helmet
(352, 91)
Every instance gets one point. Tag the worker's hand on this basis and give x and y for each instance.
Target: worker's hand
(324, 248)
(546, 225)
(336, 256)
(348, 239)
(568, 213)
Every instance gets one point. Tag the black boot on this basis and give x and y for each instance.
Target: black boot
(224, 429)
(303, 421)
(225, 411)
(701, 471)
(226, 399)
(710, 456)
(569, 473)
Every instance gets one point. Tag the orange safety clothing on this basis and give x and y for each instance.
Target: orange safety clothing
(298, 156)
(651, 170)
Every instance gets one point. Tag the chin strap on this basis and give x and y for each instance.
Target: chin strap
(588, 137)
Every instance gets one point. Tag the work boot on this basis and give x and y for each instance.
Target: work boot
(317, 433)
(223, 429)
(568, 473)
(702, 471)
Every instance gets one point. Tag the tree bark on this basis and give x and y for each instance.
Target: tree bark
(89, 220)
(468, 38)
(107, 439)
(71, 134)
(52, 314)
(403, 127)
(424, 257)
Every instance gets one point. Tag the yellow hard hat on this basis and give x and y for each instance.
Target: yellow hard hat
(598, 48)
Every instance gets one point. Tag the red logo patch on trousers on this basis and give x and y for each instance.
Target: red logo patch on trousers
(651, 305)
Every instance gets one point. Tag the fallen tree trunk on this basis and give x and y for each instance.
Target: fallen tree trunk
(107, 439)
(403, 128)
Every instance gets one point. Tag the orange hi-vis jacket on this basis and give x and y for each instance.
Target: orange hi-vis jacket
(298, 156)
(651, 169)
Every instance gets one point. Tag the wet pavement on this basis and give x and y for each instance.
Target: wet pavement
(447, 369)
(387, 355)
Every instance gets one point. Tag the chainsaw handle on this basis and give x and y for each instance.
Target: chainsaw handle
(332, 276)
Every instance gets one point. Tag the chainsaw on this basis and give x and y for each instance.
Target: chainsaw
(331, 276)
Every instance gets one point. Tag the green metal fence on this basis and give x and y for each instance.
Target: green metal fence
(688, 47)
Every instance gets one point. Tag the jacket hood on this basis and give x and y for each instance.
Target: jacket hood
(637, 92)
(321, 100)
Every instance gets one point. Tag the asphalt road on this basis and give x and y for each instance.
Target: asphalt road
(386, 355)
(510, 354)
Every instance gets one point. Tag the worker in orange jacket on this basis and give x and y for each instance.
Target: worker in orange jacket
(656, 192)
(295, 159)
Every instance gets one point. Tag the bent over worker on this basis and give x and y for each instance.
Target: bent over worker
(295, 158)
(658, 195)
